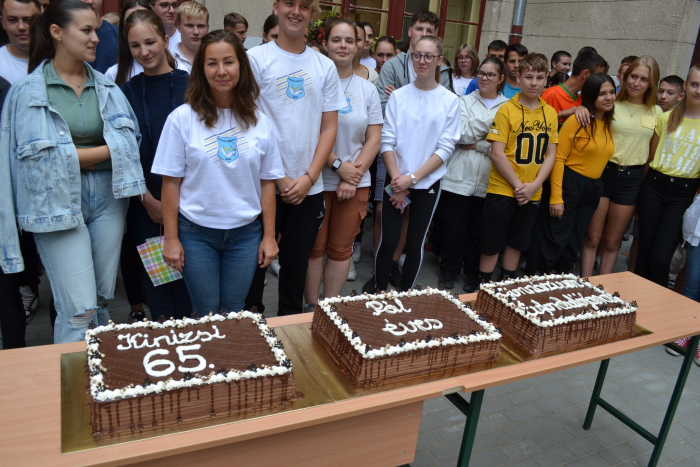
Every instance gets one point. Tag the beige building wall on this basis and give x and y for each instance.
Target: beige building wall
(255, 11)
(664, 29)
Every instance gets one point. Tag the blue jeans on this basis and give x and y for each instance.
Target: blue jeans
(219, 264)
(81, 263)
(692, 272)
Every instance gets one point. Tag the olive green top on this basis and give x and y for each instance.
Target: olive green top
(82, 115)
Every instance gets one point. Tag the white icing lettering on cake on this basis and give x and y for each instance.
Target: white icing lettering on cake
(149, 365)
(184, 338)
(384, 307)
(547, 286)
(415, 326)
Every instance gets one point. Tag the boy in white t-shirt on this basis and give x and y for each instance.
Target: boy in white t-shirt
(300, 94)
(192, 22)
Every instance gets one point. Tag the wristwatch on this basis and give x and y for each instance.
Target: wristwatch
(336, 164)
(414, 180)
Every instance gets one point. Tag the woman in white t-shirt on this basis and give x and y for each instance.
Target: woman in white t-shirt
(465, 68)
(346, 178)
(219, 159)
(420, 132)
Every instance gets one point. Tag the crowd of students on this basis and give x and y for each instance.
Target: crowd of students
(112, 135)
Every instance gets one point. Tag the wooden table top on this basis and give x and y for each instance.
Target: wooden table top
(30, 396)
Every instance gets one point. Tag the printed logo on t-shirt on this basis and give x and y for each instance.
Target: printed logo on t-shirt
(681, 151)
(352, 104)
(226, 147)
(294, 86)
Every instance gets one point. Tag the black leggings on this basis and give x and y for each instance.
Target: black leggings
(423, 204)
(461, 234)
(661, 205)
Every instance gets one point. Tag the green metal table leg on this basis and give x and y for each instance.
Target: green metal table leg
(602, 371)
(675, 400)
(471, 409)
(657, 441)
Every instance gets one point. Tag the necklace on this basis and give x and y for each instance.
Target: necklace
(628, 109)
(348, 85)
(72, 82)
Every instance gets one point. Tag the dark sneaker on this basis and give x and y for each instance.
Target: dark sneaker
(395, 276)
(370, 286)
(470, 286)
(446, 282)
(136, 316)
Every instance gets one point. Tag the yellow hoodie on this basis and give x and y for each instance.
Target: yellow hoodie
(526, 134)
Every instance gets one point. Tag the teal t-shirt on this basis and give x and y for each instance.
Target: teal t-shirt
(509, 91)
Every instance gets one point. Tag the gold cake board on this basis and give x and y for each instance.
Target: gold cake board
(316, 374)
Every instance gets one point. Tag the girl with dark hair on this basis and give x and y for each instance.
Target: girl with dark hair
(125, 62)
(575, 185)
(671, 182)
(419, 134)
(366, 58)
(83, 129)
(358, 68)
(384, 49)
(346, 178)
(271, 29)
(632, 129)
(464, 184)
(153, 94)
(465, 68)
(219, 159)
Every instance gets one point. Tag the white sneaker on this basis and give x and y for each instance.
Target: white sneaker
(356, 252)
(352, 273)
(275, 267)
(30, 301)
(402, 258)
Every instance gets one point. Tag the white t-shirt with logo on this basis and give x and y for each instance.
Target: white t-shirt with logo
(11, 67)
(295, 90)
(460, 85)
(221, 167)
(362, 108)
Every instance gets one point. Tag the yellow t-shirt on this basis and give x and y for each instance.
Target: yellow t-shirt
(677, 154)
(576, 151)
(632, 129)
(526, 134)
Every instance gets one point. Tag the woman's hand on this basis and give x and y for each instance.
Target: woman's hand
(398, 200)
(350, 172)
(345, 191)
(583, 116)
(154, 208)
(267, 251)
(556, 210)
(400, 183)
(296, 191)
(174, 254)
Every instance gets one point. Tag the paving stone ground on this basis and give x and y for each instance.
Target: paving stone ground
(533, 422)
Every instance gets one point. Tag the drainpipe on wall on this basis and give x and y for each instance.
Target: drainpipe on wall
(516, 31)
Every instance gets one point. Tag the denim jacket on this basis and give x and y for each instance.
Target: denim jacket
(39, 170)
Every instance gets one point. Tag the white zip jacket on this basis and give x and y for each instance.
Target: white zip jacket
(468, 171)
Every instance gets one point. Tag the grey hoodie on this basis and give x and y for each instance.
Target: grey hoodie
(395, 72)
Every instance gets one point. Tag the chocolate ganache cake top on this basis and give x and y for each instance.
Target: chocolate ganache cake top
(554, 299)
(392, 323)
(129, 360)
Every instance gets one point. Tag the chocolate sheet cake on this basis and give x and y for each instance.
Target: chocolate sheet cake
(390, 337)
(147, 375)
(546, 314)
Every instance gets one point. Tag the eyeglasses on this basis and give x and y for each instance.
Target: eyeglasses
(486, 76)
(427, 57)
(464, 58)
(166, 6)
